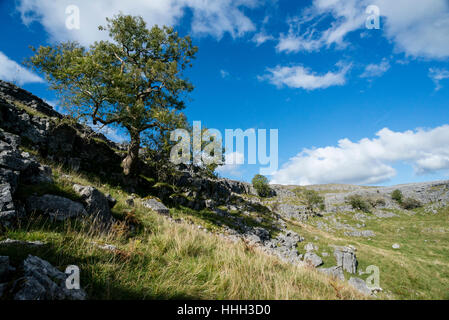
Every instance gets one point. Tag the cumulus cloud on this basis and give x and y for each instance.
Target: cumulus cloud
(13, 72)
(304, 78)
(261, 37)
(417, 28)
(437, 75)
(369, 161)
(376, 70)
(209, 17)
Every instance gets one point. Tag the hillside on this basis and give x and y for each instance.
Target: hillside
(193, 236)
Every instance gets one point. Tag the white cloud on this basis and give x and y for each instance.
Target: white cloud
(304, 78)
(210, 17)
(14, 72)
(416, 27)
(376, 70)
(369, 161)
(224, 74)
(233, 163)
(261, 37)
(437, 75)
(304, 35)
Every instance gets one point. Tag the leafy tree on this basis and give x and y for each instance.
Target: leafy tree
(314, 200)
(134, 81)
(397, 196)
(261, 185)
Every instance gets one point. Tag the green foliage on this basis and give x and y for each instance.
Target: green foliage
(261, 185)
(358, 203)
(410, 204)
(376, 202)
(397, 195)
(134, 81)
(313, 200)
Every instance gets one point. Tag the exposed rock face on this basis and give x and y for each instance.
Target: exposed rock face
(9, 91)
(335, 272)
(96, 203)
(42, 281)
(346, 258)
(7, 210)
(156, 206)
(257, 235)
(56, 207)
(74, 145)
(360, 285)
(285, 246)
(313, 259)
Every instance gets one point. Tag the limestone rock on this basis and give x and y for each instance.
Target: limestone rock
(346, 258)
(96, 203)
(310, 247)
(156, 206)
(313, 259)
(42, 281)
(360, 285)
(56, 207)
(336, 272)
(257, 235)
(7, 209)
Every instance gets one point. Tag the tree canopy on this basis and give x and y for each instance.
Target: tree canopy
(134, 81)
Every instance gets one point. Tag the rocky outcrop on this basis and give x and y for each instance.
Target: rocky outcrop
(313, 259)
(96, 203)
(360, 285)
(156, 206)
(346, 258)
(58, 208)
(54, 136)
(42, 281)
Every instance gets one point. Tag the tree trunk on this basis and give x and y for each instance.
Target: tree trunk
(130, 163)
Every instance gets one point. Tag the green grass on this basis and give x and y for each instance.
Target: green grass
(418, 270)
(161, 259)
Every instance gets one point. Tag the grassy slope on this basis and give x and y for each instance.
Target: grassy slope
(418, 270)
(164, 260)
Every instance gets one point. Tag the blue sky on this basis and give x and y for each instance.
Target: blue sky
(352, 105)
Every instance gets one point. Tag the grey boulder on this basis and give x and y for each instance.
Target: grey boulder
(42, 281)
(97, 204)
(313, 259)
(156, 206)
(346, 258)
(360, 285)
(58, 208)
(335, 272)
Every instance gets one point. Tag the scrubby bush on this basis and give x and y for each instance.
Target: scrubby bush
(260, 183)
(376, 202)
(358, 203)
(410, 203)
(397, 196)
(313, 200)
